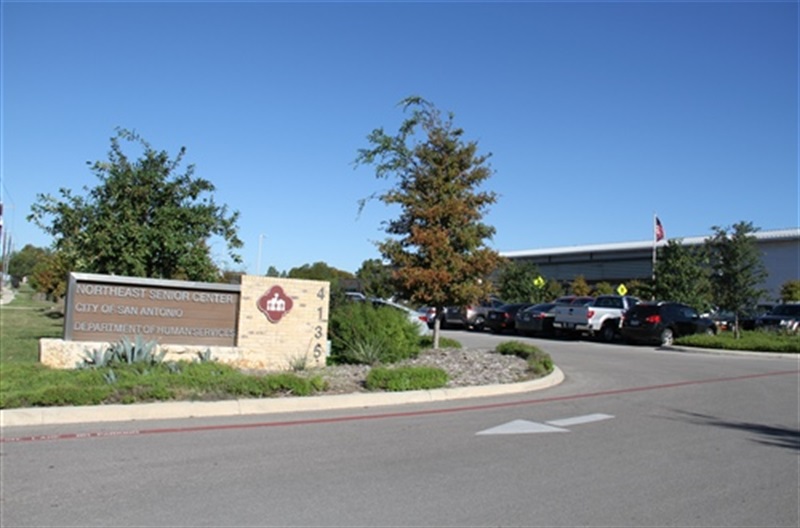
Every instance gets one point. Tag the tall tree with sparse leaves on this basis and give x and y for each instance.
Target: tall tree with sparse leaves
(144, 219)
(437, 246)
(737, 269)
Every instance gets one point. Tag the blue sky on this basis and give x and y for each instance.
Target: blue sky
(597, 114)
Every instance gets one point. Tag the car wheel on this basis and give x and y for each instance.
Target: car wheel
(667, 337)
(710, 331)
(478, 324)
(607, 333)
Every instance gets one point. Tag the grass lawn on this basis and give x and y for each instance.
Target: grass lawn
(26, 383)
(22, 323)
(749, 340)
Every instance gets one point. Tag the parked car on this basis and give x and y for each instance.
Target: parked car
(503, 318)
(783, 316)
(536, 320)
(568, 304)
(726, 320)
(601, 318)
(472, 317)
(662, 322)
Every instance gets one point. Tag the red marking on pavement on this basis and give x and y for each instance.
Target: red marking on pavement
(105, 434)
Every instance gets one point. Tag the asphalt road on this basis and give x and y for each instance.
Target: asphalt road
(635, 436)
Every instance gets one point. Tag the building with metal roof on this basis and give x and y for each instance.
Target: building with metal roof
(625, 261)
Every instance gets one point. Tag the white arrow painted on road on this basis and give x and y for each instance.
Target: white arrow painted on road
(522, 427)
(553, 426)
(589, 418)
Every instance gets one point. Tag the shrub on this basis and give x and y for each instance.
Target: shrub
(291, 384)
(362, 333)
(406, 378)
(515, 348)
(444, 342)
(759, 340)
(539, 362)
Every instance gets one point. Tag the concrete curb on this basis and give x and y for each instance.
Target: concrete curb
(724, 352)
(168, 410)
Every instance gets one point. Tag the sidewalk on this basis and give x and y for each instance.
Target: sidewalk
(7, 295)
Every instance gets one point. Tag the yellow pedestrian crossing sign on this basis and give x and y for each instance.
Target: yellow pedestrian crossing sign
(538, 281)
(621, 289)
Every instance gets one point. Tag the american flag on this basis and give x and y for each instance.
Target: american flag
(659, 230)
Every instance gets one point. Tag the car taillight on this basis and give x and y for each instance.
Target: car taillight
(541, 315)
(653, 319)
(589, 313)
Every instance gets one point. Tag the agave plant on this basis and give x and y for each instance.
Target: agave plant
(99, 357)
(137, 351)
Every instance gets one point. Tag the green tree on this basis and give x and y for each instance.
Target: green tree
(580, 287)
(737, 270)
(603, 288)
(681, 275)
(640, 289)
(790, 291)
(144, 219)
(319, 271)
(552, 290)
(517, 282)
(49, 275)
(22, 263)
(437, 246)
(323, 272)
(272, 271)
(376, 279)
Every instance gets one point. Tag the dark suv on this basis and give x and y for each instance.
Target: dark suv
(663, 322)
(781, 317)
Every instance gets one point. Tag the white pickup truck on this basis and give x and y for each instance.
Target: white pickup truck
(602, 318)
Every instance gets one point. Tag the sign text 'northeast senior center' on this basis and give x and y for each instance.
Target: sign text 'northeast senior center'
(175, 312)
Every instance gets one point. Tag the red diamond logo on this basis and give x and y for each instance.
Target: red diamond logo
(275, 304)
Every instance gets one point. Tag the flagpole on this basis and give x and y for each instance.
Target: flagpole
(653, 275)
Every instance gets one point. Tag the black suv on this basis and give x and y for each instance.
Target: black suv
(663, 322)
(783, 316)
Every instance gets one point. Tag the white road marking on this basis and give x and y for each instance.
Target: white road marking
(566, 422)
(553, 426)
(522, 427)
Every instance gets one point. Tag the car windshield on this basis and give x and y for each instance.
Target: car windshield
(583, 301)
(540, 307)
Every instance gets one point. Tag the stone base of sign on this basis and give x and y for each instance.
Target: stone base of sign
(60, 354)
